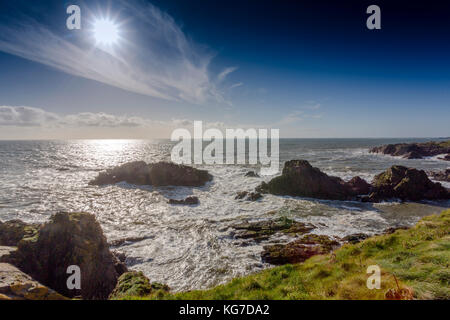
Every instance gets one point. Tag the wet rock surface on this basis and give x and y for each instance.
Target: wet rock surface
(414, 150)
(187, 201)
(299, 250)
(248, 196)
(252, 174)
(262, 230)
(155, 174)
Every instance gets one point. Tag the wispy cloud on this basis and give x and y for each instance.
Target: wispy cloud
(159, 60)
(225, 73)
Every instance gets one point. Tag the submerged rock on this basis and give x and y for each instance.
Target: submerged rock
(16, 285)
(155, 174)
(187, 201)
(406, 184)
(414, 150)
(69, 239)
(262, 230)
(298, 250)
(299, 178)
(249, 196)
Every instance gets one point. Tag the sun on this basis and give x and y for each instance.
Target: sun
(106, 32)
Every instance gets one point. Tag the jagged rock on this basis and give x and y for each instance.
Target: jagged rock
(187, 201)
(298, 250)
(440, 175)
(261, 230)
(69, 239)
(11, 232)
(299, 178)
(16, 285)
(355, 238)
(359, 186)
(155, 174)
(406, 184)
(414, 150)
(135, 284)
(252, 174)
(249, 196)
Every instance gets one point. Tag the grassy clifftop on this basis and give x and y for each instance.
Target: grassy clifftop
(419, 258)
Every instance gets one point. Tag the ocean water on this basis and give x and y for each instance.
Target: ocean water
(192, 247)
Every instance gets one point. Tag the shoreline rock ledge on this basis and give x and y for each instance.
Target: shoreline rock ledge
(155, 174)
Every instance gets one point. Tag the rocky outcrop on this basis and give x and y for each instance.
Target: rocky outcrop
(135, 284)
(299, 250)
(249, 196)
(16, 285)
(11, 232)
(299, 178)
(446, 157)
(188, 201)
(406, 184)
(69, 239)
(440, 175)
(414, 150)
(262, 230)
(155, 174)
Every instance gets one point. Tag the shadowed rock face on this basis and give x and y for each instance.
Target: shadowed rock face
(406, 184)
(414, 150)
(155, 174)
(69, 239)
(299, 178)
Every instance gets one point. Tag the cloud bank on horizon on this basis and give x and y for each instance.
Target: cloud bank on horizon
(159, 60)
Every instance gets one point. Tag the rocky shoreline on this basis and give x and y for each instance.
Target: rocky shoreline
(415, 150)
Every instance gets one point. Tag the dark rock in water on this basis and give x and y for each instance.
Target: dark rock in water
(252, 174)
(355, 238)
(135, 284)
(119, 242)
(298, 250)
(414, 150)
(441, 175)
(249, 196)
(261, 230)
(187, 201)
(11, 232)
(446, 157)
(155, 174)
(299, 178)
(406, 184)
(69, 239)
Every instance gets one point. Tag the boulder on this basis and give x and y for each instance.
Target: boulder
(16, 285)
(406, 184)
(299, 178)
(69, 239)
(359, 186)
(414, 150)
(299, 250)
(155, 174)
(187, 201)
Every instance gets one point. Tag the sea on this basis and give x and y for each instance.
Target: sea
(193, 247)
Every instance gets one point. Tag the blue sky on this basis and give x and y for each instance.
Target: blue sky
(309, 69)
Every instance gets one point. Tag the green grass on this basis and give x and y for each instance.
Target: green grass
(418, 257)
